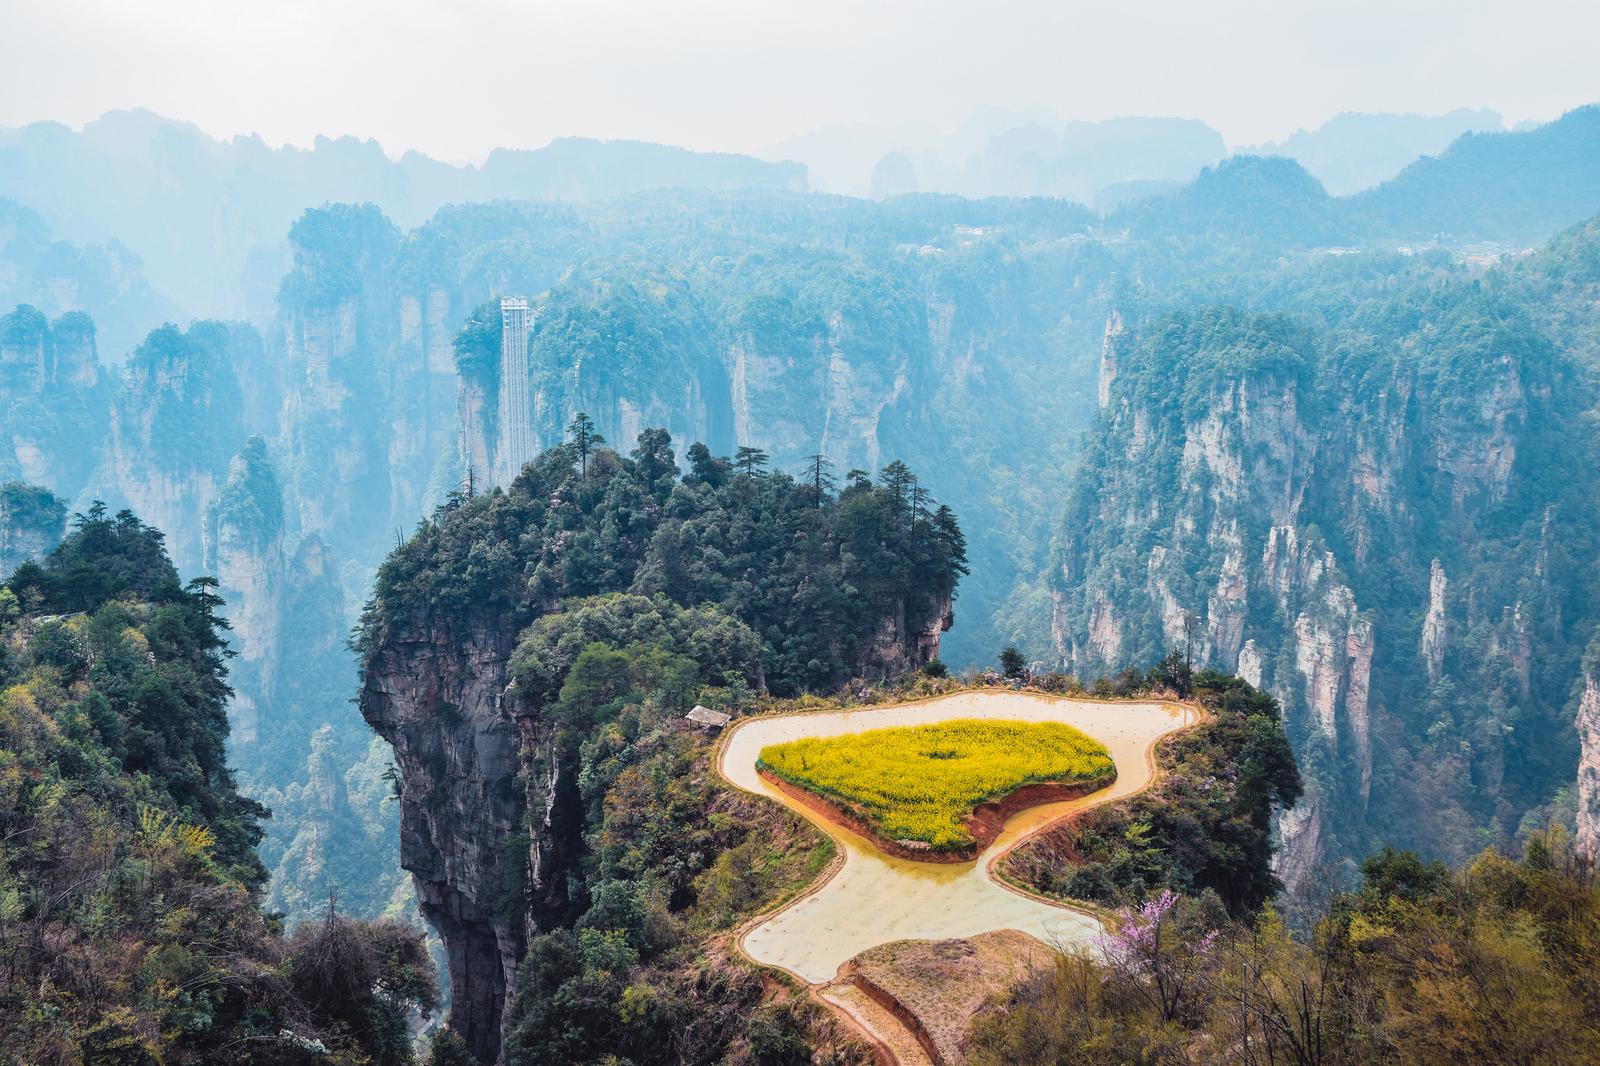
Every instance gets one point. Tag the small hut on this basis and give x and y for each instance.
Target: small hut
(707, 719)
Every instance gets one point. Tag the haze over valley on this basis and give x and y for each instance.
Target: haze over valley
(415, 548)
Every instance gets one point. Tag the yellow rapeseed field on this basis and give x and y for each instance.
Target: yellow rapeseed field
(920, 782)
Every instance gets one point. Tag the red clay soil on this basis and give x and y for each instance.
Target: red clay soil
(984, 823)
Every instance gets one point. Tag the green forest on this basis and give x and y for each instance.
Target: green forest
(329, 735)
(131, 925)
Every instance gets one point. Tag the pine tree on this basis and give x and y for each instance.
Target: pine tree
(751, 460)
(817, 467)
(951, 542)
(584, 439)
(898, 479)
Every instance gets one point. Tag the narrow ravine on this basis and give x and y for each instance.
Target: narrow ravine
(872, 898)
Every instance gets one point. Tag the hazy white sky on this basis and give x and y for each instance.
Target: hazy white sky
(456, 78)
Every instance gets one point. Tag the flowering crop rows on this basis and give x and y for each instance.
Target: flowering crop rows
(920, 782)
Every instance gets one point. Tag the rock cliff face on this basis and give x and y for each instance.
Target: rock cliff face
(1588, 839)
(1237, 481)
(244, 551)
(368, 382)
(1435, 634)
(53, 427)
(438, 696)
(32, 521)
(176, 421)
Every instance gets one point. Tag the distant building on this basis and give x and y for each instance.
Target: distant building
(515, 445)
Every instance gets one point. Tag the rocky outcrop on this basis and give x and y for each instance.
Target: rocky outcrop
(177, 420)
(1435, 636)
(1588, 722)
(1303, 508)
(479, 440)
(244, 552)
(1250, 663)
(1108, 357)
(1300, 846)
(437, 695)
(32, 521)
(1229, 605)
(53, 400)
(898, 646)
(368, 411)
(1480, 459)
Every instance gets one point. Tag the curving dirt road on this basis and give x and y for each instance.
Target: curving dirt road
(872, 898)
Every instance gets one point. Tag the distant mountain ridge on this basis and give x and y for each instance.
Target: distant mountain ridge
(168, 190)
(1352, 151)
(158, 213)
(1104, 163)
(1509, 188)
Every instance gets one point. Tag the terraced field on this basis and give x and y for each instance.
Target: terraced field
(918, 785)
(873, 898)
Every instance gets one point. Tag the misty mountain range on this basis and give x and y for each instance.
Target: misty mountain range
(1317, 415)
(196, 226)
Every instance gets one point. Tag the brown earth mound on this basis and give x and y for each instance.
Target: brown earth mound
(937, 987)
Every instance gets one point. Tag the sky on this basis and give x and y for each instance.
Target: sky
(454, 79)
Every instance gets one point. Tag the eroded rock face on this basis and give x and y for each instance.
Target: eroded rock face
(1434, 634)
(1108, 357)
(490, 811)
(1588, 838)
(53, 401)
(175, 424)
(32, 522)
(244, 550)
(368, 382)
(1300, 851)
(1250, 663)
(897, 647)
(438, 697)
(1304, 526)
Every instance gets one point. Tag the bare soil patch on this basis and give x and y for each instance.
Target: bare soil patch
(937, 987)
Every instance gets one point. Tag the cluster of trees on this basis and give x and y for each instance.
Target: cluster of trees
(1205, 827)
(817, 574)
(131, 929)
(623, 962)
(1499, 962)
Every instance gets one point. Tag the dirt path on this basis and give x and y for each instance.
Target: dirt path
(872, 898)
(892, 1037)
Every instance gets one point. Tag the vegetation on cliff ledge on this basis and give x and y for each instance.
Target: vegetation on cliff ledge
(626, 957)
(822, 577)
(1205, 826)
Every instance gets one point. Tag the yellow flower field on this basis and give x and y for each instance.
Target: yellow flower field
(920, 782)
